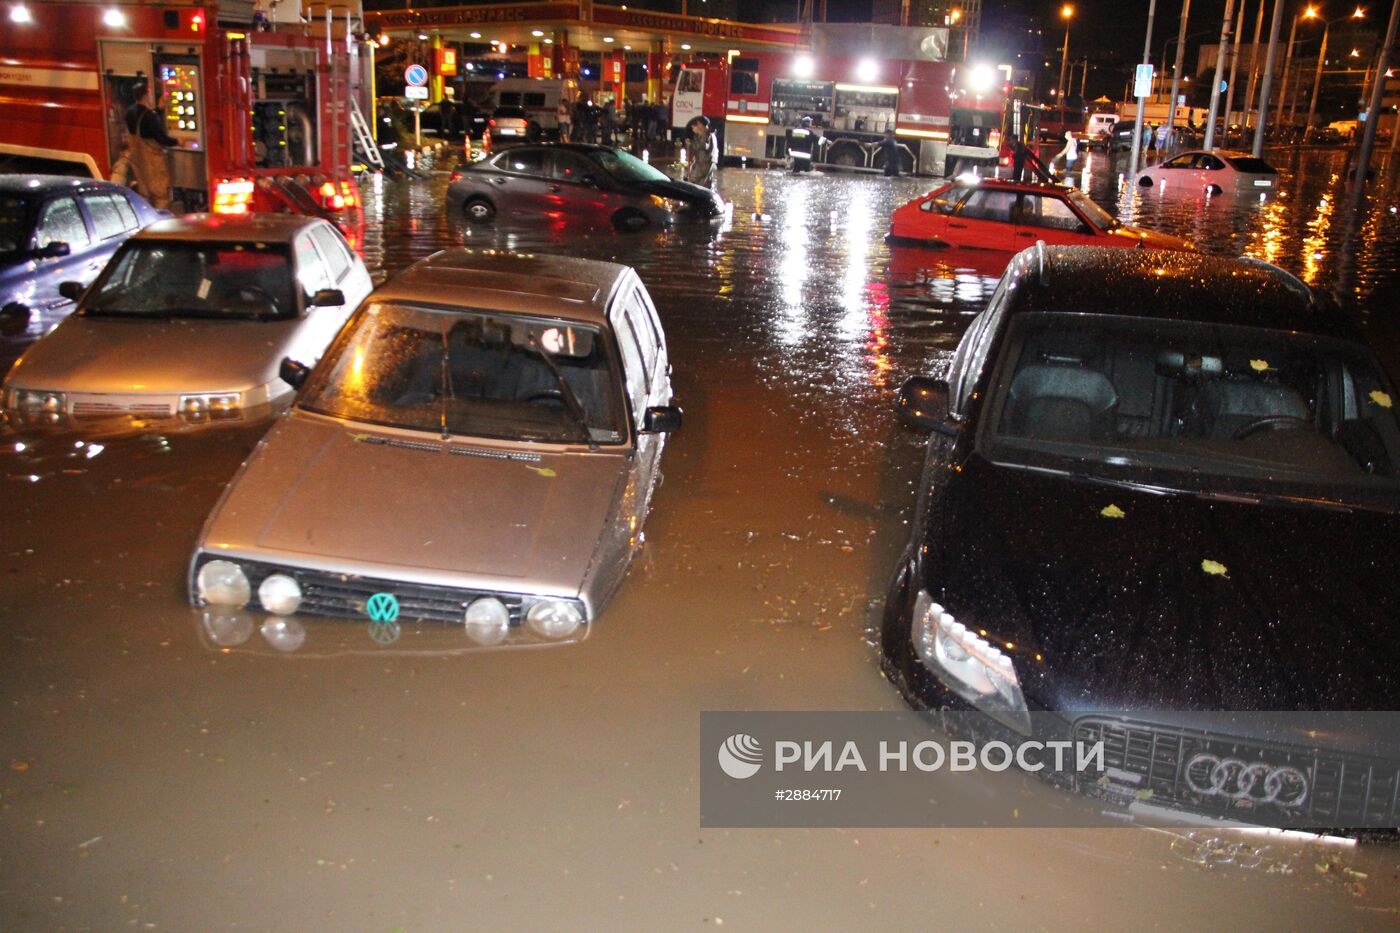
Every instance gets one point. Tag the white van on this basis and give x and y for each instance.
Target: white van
(539, 98)
(1099, 128)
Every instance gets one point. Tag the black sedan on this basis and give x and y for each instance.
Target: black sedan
(590, 184)
(1162, 483)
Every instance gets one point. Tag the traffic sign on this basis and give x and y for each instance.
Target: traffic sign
(416, 75)
(415, 93)
(1142, 81)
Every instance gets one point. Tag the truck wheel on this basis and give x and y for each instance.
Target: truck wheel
(479, 210)
(533, 131)
(846, 156)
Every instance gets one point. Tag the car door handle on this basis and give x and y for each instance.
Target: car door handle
(1024, 234)
(957, 226)
(554, 188)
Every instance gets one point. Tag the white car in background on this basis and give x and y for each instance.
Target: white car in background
(1214, 170)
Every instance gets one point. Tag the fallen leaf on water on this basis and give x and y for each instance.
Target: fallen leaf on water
(546, 472)
(1214, 567)
(1380, 398)
(19, 766)
(1112, 511)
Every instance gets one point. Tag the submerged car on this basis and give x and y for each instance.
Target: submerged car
(192, 318)
(1011, 215)
(56, 229)
(1213, 170)
(1177, 495)
(593, 184)
(478, 448)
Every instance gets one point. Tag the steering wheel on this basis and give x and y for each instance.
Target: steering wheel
(1270, 423)
(545, 395)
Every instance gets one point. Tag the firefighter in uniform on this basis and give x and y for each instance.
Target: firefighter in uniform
(148, 140)
(800, 143)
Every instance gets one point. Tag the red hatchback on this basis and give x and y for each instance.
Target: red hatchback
(1006, 215)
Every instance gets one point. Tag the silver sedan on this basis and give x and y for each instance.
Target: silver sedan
(192, 318)
(477, 448)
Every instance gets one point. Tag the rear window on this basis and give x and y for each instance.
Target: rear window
(510, 99)
(509, 112)
(1251, 165)
(105, 216)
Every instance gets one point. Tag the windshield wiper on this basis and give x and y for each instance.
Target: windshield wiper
(570, 399)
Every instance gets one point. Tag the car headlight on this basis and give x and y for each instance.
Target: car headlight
(222, 583)
(487, 621)
(280, 594)
(968, 664)
(36, 400)
(214, 405)
(554, 618)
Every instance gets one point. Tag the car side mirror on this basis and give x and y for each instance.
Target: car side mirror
(923, 403)
(71, 290)
(328, 298)
(662, 419)
(53, 250)
(293, 373)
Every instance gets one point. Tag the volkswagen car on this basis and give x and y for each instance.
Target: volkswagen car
(56, 229)
(1177, 495)
(1214, 170)
(478, 449)
(1010, 215)
(192, 318)
(575, 181)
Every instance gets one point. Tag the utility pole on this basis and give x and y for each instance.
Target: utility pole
(1219, 68)
(1180, 62)
(1373, 112)
(1274, 27)
(1137, 122)
(1253, 67)
(1234, 69)
(1317, 82)
(1287, 63)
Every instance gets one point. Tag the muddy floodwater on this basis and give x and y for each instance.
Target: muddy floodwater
(162, 769)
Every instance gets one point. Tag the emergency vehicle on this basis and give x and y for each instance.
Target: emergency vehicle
(263, 112)
(939, 111)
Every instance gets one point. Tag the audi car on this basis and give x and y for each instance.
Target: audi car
(1158, 486)
(477, 451)
(575, 181)
(191, 319)
(1010, 215)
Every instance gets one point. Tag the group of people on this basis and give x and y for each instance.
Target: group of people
(638, 124)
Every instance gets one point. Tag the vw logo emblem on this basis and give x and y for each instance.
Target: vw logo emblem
(382, 607)
(1256, 782)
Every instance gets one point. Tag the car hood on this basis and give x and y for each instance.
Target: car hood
(1182, 602)
(105, 355)
(346, 497)
(697, 195)
(1151, 239)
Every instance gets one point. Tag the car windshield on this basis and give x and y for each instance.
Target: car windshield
(626, 166)
(1195, 406)
(14, 225)
(1097, 216)
(467, 372)
(174, 279)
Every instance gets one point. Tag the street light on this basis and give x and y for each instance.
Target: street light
(1066, 14)
(1358, 13)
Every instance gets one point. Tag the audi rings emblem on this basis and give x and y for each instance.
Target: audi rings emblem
(1256, 782)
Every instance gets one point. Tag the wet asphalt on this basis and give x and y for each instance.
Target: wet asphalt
(162, 770)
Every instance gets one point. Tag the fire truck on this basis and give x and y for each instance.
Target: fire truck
(262, 112)
(945, 114)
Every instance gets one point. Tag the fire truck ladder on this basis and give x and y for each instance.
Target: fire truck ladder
(364, 139)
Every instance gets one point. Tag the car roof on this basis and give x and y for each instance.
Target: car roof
(44, 184)
(1006, 184)
(1231, 153)
(572, 147)
(279, 228)
(1178, 286)
(498, 280)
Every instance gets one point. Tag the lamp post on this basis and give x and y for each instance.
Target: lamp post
(1358, 13)
(1253, 65)
(1234, 69)
(1274, 24)
(1066, 14)
(1219, 69)
(1176, 70)
(1288, 60)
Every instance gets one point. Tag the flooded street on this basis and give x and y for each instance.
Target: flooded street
(173, 769)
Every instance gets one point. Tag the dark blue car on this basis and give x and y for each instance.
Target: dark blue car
(55, 229)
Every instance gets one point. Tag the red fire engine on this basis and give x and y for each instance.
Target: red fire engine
(262, 112)
(945, 114)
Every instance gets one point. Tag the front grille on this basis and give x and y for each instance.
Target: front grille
(93, 408)
(1175, 768)
(345, 595)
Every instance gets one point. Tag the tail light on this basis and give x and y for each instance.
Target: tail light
(456, 176)
(233, 196)
(490, 122)
(337, 198)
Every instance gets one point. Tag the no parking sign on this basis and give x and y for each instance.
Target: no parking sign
(415, 75)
